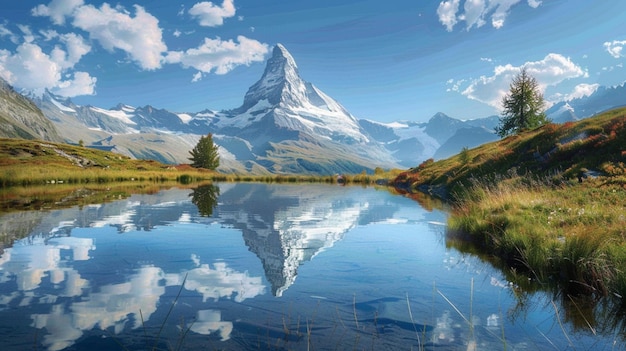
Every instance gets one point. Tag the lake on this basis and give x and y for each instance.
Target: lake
(247, 266)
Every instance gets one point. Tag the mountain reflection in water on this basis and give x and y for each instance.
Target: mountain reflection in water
(223, 260)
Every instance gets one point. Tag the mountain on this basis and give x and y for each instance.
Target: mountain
(294, 127)
(603, 99)
(284, 125)
(441, 137)
(20, 118)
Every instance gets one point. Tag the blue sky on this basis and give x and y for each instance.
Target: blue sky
(383, 60)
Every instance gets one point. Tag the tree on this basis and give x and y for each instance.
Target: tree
(205, 154)
(523, 106)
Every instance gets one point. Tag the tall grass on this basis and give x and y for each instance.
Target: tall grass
(555, 231)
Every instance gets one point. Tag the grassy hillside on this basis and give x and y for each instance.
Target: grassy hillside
(32, 162)
(594, 144)
(549, 202)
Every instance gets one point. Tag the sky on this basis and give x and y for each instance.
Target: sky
(382, 60)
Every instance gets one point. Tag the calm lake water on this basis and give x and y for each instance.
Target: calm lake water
(258, 267)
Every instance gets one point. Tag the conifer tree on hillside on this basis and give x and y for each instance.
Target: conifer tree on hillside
(523, 106)
(205, 154)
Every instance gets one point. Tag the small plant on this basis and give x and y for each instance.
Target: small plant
(464, 156)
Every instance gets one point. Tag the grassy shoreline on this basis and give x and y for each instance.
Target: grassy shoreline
(566, 234)
(548, 204)
(32, 163)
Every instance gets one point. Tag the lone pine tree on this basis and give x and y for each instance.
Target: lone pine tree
(523, 106)
(205, 153)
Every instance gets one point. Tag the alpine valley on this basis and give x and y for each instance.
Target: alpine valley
(285, 125)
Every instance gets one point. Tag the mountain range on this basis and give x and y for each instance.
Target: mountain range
(284, 125)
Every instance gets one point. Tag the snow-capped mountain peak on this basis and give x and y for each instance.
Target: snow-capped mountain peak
(281, 97)
(280, 81)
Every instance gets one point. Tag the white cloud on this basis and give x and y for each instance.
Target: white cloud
(6, 32)
(454, 85)
(196, 77)
(29, 68)
(210, 15)
(550, 71)
(447, 13)
(501, 11)
(140, 36)
(582, 90)
(137, 34)
(76, 46)
(28, 34)
(615, 48)
(81, 84)
(220, 56)
(57, 10)
(32, 69)
(534, 3)
(476, 12)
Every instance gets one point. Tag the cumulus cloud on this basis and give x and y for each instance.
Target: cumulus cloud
(114, 28)
(81, 83)
(476, 13)
(211, 15)
(550, 71)
(219, 56)
(615, 48)
(140, 36)
(57, 10)
(32, 69)
(29, 67)
(76, 48)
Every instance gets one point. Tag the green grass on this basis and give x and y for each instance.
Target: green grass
(29, 162)
(521, 202)
(568, 233)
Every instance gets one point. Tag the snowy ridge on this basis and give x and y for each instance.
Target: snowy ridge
(60, 106)
(184, 117)
(117, 114)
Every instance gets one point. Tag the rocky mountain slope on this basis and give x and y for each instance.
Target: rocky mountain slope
(20, 118)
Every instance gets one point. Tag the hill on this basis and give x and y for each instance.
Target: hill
(547, 205)
(30, 162)
(595, 145)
